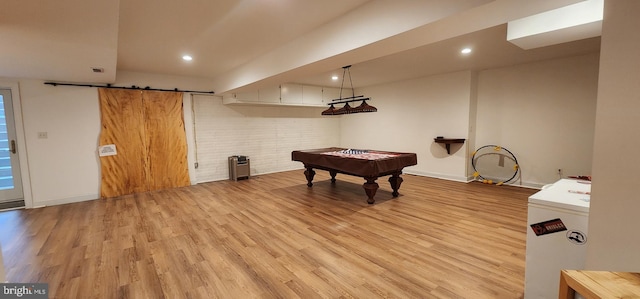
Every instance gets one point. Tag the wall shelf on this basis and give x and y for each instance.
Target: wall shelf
(448, 141)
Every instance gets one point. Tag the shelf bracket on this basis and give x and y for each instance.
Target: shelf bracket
(447, 142)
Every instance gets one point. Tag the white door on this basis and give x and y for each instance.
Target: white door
(10, 180)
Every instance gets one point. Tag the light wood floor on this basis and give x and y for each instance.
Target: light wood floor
(272, 237)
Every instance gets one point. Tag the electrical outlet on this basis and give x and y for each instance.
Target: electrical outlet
(42, 135)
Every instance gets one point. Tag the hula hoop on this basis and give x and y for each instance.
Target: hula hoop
(496, 148)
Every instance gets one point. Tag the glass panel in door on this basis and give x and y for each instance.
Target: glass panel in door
(10, 179)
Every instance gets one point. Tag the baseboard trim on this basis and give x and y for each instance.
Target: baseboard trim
(438, 176)
(62, 201)
(456, 178)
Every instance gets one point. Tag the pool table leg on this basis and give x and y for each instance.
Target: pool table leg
(395, 180)
(333, 176)
(370, 187)
(309, 173)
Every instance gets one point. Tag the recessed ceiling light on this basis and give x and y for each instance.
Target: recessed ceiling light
(334, 78)
(187, 58)
(465, 51)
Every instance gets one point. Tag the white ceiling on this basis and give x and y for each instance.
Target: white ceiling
(243, 44)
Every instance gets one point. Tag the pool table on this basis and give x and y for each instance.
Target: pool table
(368, 164)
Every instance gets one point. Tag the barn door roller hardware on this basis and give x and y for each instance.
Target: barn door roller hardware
(126, 87)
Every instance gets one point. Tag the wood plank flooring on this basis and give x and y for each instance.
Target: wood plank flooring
(272, 237)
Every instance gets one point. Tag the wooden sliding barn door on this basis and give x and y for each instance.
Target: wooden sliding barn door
(122, 125)
(166, 140)
(147, 129)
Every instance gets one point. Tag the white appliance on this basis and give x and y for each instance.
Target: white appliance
(556, 235)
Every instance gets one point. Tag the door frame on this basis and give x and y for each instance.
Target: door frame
(20, 139)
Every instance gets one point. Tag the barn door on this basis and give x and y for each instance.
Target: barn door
(146, 130)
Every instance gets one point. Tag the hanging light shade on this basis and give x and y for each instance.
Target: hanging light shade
(344, 110)
(364, 107)
(347, 109)
(331, 111)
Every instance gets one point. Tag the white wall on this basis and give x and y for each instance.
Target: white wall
(614, 240)
(266, 134)
(544, 113)
(64, 167)
(410, 114)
